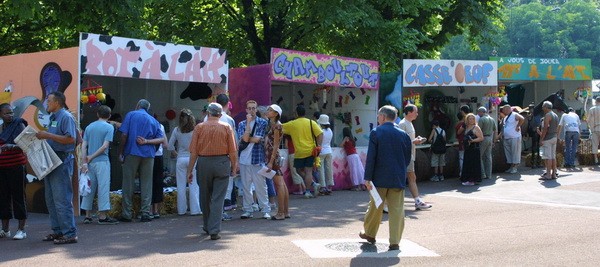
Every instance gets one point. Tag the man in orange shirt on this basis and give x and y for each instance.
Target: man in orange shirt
(213, 146)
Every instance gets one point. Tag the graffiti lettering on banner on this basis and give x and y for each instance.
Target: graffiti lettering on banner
(303, 67)
(420, 73)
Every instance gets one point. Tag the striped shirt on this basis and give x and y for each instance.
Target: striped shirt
(213, 138)
(11, 157)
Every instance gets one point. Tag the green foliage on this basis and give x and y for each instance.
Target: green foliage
(383, 30)
(547, 29)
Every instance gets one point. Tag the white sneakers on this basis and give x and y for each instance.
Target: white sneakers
(267, 216)
(4, 234)
(20, 235)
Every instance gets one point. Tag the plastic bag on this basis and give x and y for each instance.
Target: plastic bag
(85, 184)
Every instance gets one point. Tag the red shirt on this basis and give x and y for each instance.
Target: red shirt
(290, 145)
(12, 157)
(349, 148)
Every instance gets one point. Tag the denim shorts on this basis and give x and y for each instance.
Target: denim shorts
(304, 162)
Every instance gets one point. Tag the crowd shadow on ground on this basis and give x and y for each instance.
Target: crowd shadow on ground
(173, 234)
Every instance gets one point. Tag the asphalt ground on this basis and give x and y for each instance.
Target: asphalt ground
(512, 220)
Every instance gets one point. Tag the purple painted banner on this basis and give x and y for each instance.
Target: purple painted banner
(304, 67)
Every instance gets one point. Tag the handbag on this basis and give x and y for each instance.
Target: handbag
(243, 144)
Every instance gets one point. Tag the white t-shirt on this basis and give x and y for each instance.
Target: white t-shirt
(570, 121)
(510, 126)
(408, 127)
(183, 142)
(326, 145)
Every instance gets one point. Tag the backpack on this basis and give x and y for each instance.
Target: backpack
(439, 144)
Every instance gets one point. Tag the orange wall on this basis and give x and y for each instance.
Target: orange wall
(24, 70)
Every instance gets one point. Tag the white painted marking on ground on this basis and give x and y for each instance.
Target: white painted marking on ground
(321, 249)
(491, 199)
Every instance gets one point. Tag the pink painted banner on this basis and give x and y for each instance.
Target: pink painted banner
(304, 67)
(134, 58)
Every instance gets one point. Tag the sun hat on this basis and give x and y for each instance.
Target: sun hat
(323, 119)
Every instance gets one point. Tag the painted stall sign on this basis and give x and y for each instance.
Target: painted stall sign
(565, 69)
(304, 67)
(133, 58)
(420, 73)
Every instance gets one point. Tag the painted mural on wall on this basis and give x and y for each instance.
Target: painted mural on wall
(28, 79)
(558, 69)
(419, 73)
(134, 58)
(304, 67)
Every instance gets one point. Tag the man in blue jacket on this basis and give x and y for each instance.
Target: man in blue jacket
(387, 158)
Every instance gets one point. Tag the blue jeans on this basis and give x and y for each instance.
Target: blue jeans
(59, 199)
(571, 143)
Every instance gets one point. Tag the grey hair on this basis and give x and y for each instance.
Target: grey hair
(143, 103)
(389, 111)
(547, 104)
(214, 109)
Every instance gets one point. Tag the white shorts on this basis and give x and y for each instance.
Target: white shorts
(548, 149)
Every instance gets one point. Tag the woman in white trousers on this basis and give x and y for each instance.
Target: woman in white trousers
(181, 137)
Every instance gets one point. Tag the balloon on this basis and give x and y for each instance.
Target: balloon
(92, 99)
(100, 96)
(84, 99)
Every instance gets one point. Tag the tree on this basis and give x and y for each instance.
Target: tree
(383, 30)
(568, 30)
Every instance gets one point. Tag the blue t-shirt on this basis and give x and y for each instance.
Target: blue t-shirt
(140, 123)
(62, 123)
(95, 135)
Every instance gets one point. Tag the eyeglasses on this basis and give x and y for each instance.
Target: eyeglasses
(251, 108)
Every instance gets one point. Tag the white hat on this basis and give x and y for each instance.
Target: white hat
(276, 108)
(323, 119)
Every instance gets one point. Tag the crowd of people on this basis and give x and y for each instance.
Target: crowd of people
(210, 154)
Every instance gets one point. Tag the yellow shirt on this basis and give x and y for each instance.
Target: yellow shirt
(304, 140)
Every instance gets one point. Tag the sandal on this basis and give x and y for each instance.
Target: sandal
(51, 237)
(278, 217)
(87, 220)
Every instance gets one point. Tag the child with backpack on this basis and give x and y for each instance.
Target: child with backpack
(437, 138)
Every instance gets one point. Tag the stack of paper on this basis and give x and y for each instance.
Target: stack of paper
(40, 155)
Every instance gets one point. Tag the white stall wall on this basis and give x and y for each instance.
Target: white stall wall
(361, 103)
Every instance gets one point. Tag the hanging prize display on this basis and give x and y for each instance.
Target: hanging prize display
(92, 93)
